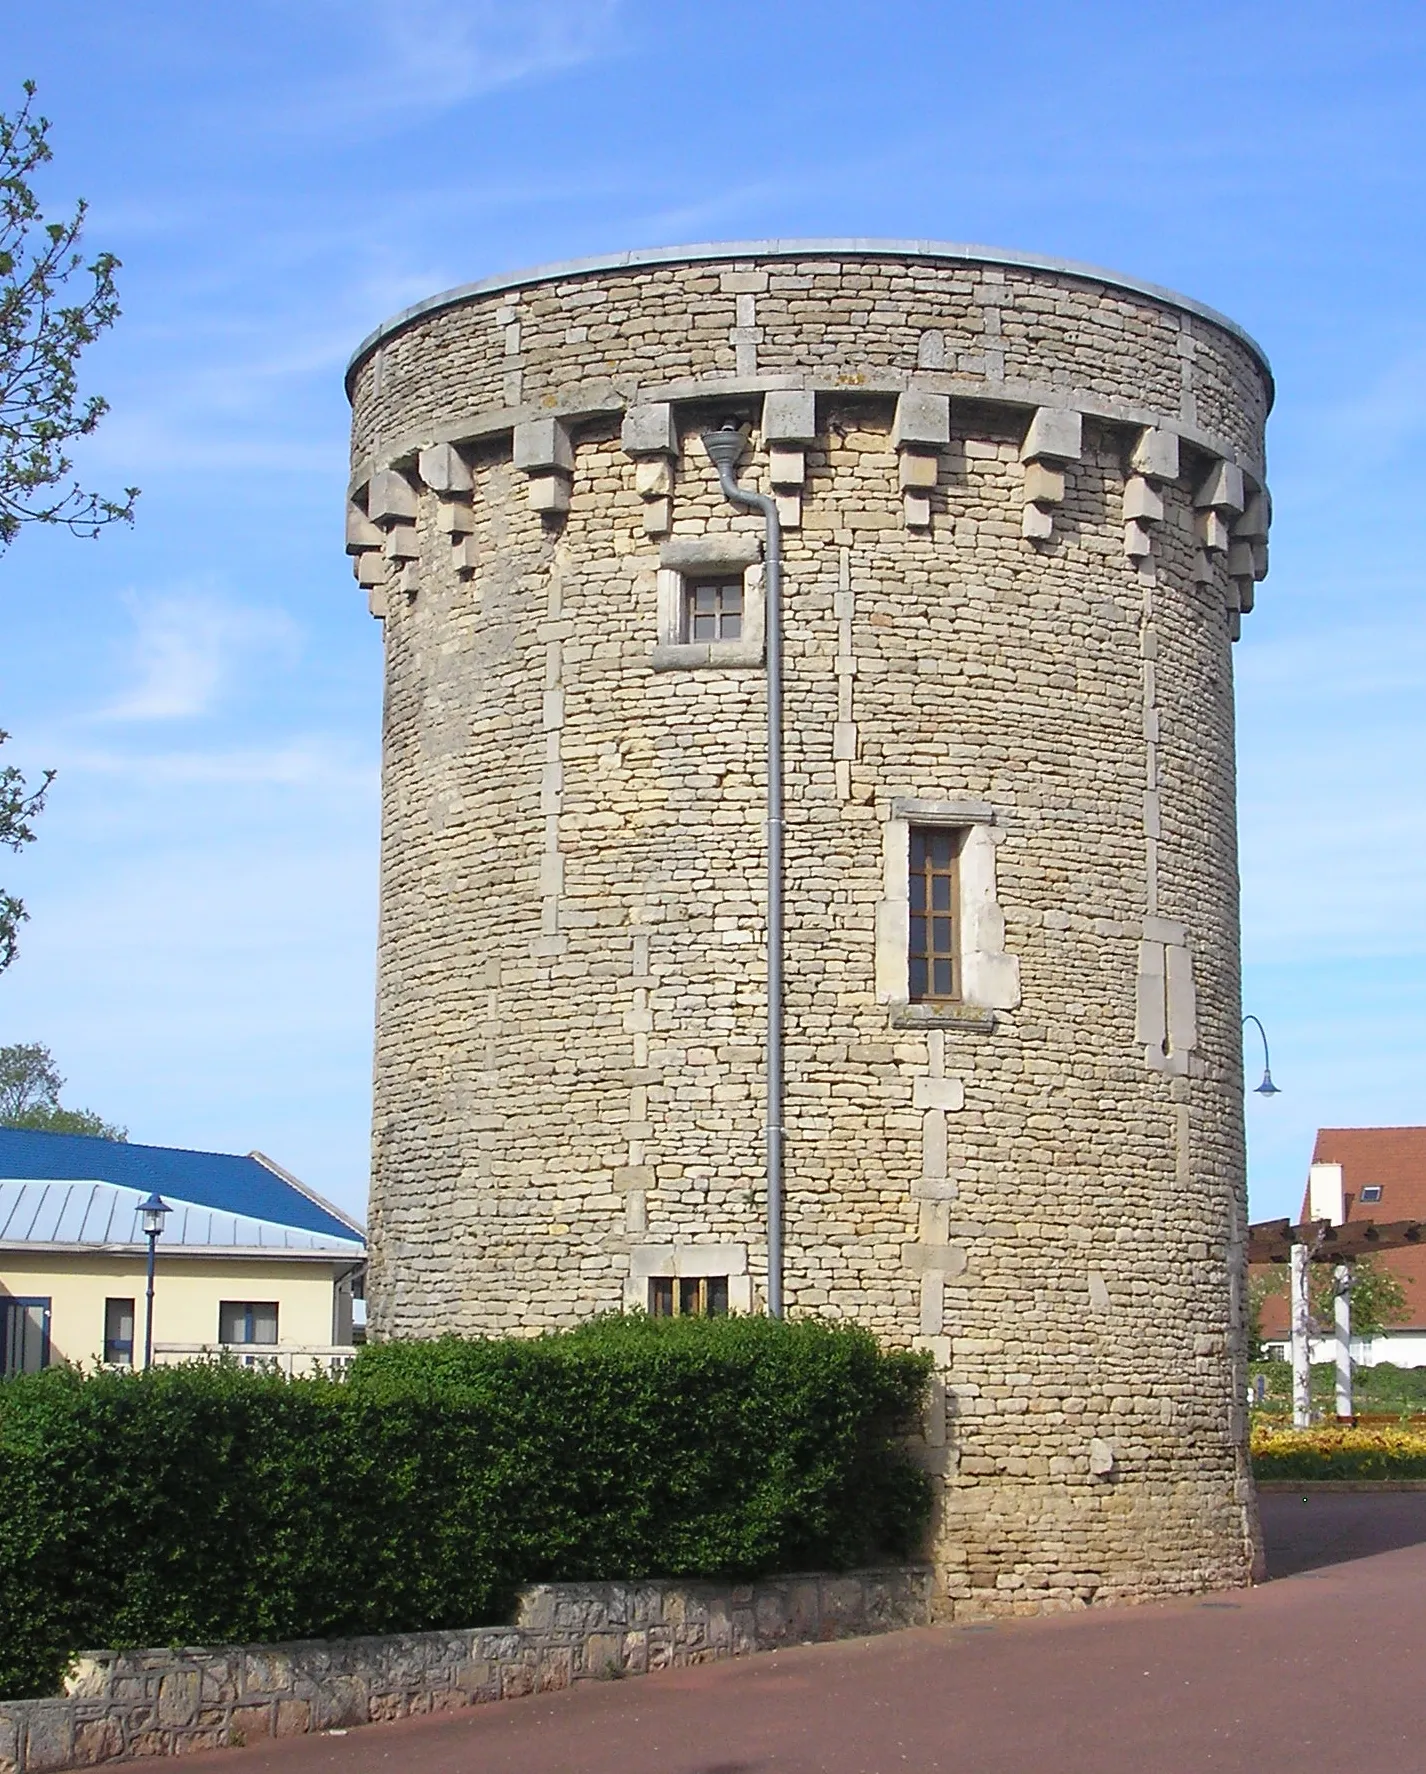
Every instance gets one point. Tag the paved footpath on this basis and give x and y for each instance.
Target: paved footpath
(1323, 1668)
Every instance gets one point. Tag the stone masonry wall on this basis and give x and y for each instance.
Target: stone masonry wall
(1021, 622)
(121, 1705)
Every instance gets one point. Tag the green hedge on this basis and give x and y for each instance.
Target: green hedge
(209, 1504)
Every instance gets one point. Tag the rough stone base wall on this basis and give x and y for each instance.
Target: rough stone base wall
(126, 1704)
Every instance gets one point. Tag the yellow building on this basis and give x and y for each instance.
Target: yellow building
(249, 1261)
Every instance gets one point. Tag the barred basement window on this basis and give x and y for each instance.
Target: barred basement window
(713, 609)
(933, 953)
(691, 1296)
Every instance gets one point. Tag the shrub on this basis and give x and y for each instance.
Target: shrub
(1337, 1453)
(208, 1504)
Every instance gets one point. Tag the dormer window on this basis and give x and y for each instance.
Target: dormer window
(1371, 1192)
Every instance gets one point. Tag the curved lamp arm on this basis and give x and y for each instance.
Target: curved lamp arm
(1267, 1087)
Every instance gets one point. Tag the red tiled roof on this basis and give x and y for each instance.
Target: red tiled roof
(1393, 1159)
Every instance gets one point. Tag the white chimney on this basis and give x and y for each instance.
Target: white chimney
(1324, 1194)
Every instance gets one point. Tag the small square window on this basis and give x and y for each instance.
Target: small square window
(933, 953)
(688, 1296)
(713, 609)
(119, 1333)
(1371, 1192)
(247, 1321)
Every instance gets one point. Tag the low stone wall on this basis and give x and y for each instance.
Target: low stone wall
(125, 1704)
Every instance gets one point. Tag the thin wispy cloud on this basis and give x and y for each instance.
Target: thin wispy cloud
(188, 648)
(428, 56)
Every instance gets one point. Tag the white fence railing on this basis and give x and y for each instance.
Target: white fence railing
(282, 1358)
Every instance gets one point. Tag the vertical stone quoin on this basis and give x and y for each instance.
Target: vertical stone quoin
(1025, 512)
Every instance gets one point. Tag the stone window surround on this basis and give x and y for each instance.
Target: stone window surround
(687, 557)
(647, 1261)
(990, 979)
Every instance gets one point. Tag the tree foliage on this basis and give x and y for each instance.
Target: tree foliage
(30, 1084)
(19, 805)
(1378, 1299)
(52, 305)
(42, 335)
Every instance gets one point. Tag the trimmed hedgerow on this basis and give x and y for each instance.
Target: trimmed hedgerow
(210, 1504)
(1342, 1453)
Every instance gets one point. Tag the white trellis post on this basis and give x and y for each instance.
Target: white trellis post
(1342, 1323)
(1301, 1339)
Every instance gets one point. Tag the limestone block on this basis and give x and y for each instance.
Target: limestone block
(790, 416)
(789, 508)
(1202, 568)
(390, 498)
(917, 471)
(1151, 1019)
(1252, 526)
(1213, 531)
(1222, 488)
(948, 1259)
(465, 556)
(658, 517)
(931, 350)
(1182, 1001)
(1240, 560)
(543, 447)
(454, 517)
(653, 477)
(1138, 544)
(921, 418)
(1055, 435)
(1260, 559)
(376, 602)
(1101, 1458)
(650, 430)
(938, 1093)
(701, 554)
(362, 533)
(444, 469)
(1143, 503)
(916, 510)
(402, 543)
(372, 569)
(1156, 455)
(1044, 484)
(844, 740)
(549, 494)
(786, 467)
(1037, 523)
(1247, 595)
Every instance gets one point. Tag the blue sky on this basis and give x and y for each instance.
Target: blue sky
(279, 177)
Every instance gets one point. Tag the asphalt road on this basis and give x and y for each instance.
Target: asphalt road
(1320, 1668)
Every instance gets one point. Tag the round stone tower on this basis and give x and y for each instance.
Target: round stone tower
(1023, 509)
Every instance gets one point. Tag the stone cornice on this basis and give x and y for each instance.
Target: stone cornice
(595, 401)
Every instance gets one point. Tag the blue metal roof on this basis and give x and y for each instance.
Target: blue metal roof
(242, 1186)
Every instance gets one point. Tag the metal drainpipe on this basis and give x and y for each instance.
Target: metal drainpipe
(724, 448)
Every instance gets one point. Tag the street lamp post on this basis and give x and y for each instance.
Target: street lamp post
(724, 447)
(152, 1213)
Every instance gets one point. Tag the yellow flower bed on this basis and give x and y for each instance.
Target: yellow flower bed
(1331, 1452)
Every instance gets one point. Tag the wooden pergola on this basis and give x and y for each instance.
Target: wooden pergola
(1271, 1241)
(1320, 1241)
